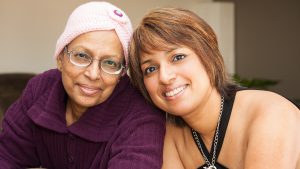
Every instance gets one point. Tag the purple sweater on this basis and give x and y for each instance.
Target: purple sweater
(123, 132)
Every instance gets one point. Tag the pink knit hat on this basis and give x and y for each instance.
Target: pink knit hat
(94, 16)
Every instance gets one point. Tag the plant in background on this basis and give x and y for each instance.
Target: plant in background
(257, 83)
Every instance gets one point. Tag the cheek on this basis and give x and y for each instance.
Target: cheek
(68, 84)
(151, 85)
(110, 84)
(69, 75)
(109, 80)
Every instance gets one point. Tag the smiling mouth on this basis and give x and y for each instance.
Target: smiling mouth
(89, 91)
(175, 91)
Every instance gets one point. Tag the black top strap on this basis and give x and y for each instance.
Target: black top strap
(228, 104)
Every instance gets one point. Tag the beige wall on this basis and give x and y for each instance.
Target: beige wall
(29, 28)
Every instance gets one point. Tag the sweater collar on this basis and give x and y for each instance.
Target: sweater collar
(97, 124)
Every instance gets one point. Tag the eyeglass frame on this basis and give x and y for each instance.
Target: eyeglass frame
(69, 53)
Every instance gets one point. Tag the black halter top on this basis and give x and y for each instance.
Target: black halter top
(228, 103)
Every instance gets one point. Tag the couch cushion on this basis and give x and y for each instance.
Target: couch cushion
(11, 87)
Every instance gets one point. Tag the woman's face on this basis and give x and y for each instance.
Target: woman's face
(176, 80)
(89, 86)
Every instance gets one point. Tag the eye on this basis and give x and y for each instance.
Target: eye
(111, 64)
(80, 58)
(81, 55)
(149, 70)
(178, 57)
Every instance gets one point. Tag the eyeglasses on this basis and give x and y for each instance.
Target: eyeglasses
(108, 65)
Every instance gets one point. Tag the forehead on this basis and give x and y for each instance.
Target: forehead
(149, 54)
(170, 51)
(159, 47)
(167, 49)
(96, 41)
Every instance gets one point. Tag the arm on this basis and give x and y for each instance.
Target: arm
(273, 140)
(139, 143)
(171, 159)
(16, 146)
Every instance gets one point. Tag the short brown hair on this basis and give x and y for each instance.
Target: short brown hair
(163, 27)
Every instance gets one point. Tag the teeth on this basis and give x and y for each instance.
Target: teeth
(175, 91)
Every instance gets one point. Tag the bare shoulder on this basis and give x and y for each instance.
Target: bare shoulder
(176, 135)
(267, 103)
(272, 128)
(171, 158)
(268, 109)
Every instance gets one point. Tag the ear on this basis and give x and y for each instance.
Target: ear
(59, 62)
(125, 71)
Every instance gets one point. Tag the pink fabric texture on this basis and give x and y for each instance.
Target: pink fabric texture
(92, 16)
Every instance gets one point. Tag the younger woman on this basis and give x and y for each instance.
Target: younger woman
(175, 62)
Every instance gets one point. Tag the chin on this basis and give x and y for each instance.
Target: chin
(175, 113)
(88, 103)
(178, 110)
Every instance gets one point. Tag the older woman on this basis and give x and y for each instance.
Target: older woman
(212, 123)
(85, 114)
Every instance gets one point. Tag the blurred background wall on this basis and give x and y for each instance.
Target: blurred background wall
(29, 29)
(258, 38)
(267, 42)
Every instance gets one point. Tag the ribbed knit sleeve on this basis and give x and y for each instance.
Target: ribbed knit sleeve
(16, 145)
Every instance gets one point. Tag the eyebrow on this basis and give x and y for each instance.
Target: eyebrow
(166, 52)
(85, 49)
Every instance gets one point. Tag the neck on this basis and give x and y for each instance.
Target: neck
(204, 120)
(73, 113)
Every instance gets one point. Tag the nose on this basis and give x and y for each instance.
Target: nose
(93, 70)
(166, 74)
